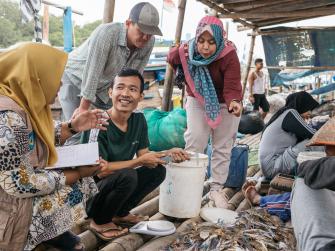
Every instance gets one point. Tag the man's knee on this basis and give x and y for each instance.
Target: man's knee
(128, 178)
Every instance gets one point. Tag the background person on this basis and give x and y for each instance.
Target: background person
(286, 135)
(257, 88)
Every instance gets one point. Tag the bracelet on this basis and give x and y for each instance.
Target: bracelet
(69, 125)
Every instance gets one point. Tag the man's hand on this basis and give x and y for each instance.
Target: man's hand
(105, 170)
(235, 108)
(178, 155)
(252, 99)
(152, 159)
(89, 120)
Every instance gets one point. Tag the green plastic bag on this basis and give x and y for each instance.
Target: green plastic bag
(166, 129)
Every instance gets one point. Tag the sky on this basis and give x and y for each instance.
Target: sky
(93, 10)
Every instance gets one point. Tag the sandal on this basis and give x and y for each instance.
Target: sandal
(122, 232)
(245, 193)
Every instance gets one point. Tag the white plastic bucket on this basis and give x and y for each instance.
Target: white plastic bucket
(304, 156)
(181, 192)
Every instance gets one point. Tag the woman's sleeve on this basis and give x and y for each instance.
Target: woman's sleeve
(173, 57)
(232, 89)
(17, 176)
(295, 124)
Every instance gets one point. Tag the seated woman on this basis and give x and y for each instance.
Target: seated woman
(36, 204)
(313, 197)
(286, 135)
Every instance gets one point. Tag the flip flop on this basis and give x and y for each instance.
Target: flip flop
(104, 230)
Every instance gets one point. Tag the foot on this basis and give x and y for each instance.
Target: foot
(247, 184)
(219, 198)
(251, 194)
(130, 218)
(108, 230)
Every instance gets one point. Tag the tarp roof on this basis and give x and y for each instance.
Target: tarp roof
(261, 13)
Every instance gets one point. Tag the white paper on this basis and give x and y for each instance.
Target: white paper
(77, 155)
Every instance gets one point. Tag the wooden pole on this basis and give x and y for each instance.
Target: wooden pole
(45, 34)
(61, 7)
(318, 85)
(329, 68)
(227, 29)
(168, 82)
(251, 53)
(108, 11)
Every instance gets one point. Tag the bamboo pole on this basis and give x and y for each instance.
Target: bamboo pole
(61, 7)
(270, 15)
(318, 85)
(45, 34)
(251, 53)
(161, 243)
(108, 11)
(168, 82)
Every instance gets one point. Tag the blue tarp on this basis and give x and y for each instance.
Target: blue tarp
(314, 47)
(324, 89)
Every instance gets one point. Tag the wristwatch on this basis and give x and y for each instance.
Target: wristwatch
(69, 125)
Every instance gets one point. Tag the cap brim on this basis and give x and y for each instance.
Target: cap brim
(150, 30)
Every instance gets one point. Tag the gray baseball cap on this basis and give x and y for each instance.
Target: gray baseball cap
(147, 18)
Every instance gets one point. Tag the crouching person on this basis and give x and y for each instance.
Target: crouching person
(313, 197)
(124, 180)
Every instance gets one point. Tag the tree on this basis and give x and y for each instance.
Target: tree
(12, 30)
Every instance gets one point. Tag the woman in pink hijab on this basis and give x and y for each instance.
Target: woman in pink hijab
(209, 66)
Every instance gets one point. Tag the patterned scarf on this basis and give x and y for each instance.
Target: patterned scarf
(197, 66)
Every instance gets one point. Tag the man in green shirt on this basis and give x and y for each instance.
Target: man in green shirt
(124, 180)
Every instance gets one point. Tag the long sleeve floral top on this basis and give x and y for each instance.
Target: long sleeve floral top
(56, 206)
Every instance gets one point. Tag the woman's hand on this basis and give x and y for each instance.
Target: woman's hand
(90, 119)
(178, 155)
(88, 171)
(235, 108)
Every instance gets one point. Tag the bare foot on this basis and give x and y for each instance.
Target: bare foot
(251, 194)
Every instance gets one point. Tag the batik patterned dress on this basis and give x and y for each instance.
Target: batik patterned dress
(56, 206)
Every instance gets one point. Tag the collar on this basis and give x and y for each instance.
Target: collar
(123, 36)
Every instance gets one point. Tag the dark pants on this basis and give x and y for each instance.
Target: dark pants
(122, 191)
(261, 101)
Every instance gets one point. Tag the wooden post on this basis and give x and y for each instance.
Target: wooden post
(168, 82)
(227, 28)
(108, 11)
(45, 34)
(251, 53)
(318, 85)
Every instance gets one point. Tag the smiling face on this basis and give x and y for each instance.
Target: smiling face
(206, 45)
(126, 93)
